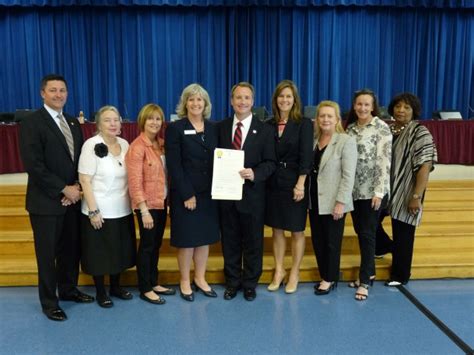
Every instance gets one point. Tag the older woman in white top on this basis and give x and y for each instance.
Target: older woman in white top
(108, 232)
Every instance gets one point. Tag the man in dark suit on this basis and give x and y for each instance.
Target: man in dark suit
(242, 221)
(50, 145)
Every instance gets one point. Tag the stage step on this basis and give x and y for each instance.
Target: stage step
(444, 244)
(22, 271)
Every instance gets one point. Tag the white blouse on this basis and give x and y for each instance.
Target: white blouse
(374, 150)
(109, 178)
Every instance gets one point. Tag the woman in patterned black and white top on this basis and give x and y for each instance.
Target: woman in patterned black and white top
(414, 154)
(372, 180)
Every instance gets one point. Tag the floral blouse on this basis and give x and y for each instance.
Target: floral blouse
(374, 149)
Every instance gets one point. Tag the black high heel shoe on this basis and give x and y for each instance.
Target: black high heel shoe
(187, 297)
(320, 292)
(210, 293)
(356, 283)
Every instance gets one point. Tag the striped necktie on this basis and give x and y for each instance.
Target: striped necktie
(237, 142)
(67, 134)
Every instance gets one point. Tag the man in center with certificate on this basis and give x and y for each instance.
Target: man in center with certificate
(242, 221)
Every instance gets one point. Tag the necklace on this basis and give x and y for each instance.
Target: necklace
(397, 130)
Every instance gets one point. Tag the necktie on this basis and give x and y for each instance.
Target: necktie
(237, 142)
(67, 134)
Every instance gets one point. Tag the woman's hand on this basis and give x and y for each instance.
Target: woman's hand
(414, 206)
(190, 204)
(298, 193)
(338, 211)
(376, 202)
(147, 220)
(97, 221)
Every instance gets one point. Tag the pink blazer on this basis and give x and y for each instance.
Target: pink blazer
(146, 173)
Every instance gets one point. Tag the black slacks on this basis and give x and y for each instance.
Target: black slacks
(149, 250)
(403, 241)
(326, 235)
(383, 243)
(57, 248)
(365, 220)
(242, 246)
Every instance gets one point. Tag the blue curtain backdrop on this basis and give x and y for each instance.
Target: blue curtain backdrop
(399, 3)
(131, 55)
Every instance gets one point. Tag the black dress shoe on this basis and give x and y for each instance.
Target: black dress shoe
(121, 293)
(210, 293)
(250, 294)
(78, 297)
(56, 314)
(104, 301)
(187, 297)
(320, 292)
(230, 293)
(168, 292)
(158, 301)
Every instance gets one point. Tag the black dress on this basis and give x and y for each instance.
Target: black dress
(189, 159)
(294, 158)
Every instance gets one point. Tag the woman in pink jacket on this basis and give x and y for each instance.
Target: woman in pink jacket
(145, 162)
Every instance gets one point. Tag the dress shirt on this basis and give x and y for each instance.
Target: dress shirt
(246, 122)
(54, 114)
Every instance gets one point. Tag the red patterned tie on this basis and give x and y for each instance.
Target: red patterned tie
(237, 142)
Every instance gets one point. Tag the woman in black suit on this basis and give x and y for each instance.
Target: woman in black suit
(286, 201)
(189, 147)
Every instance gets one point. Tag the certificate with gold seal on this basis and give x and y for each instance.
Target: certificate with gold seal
(227, 184)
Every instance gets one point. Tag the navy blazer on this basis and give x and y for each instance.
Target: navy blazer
(189, 157)
(259, 148)
(294, 153)
(47, 161)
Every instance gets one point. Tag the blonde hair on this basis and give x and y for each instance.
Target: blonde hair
(190, 90)
(146, 112)
(335, 106)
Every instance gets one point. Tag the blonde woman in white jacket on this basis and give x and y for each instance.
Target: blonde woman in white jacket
(331, 184)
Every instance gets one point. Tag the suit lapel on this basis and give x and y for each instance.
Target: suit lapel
(252, 134)
(227, 128)
(287, 132)
(329, 150)
(195, 137)
(51, 124)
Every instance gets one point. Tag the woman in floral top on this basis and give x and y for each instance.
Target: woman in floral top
(372, 180)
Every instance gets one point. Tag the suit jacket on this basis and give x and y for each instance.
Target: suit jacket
(47, 161)
(259, 148)
(337, 173)
(293, 153)
(189, 158)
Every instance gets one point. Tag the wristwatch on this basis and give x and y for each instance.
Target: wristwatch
(416, 197)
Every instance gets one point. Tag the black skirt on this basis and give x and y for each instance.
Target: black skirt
(109, 250)
(191, 229)
(282, 212)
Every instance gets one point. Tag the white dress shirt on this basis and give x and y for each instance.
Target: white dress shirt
(246, 122)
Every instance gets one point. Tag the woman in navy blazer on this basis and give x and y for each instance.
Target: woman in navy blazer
(331, 184)
(286, 198)
(189, 146)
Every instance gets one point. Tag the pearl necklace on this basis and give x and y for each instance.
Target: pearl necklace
(397, 130)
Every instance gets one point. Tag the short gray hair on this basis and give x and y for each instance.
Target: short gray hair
(98, 114)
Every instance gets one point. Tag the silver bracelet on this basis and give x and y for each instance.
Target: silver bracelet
(94, 213)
